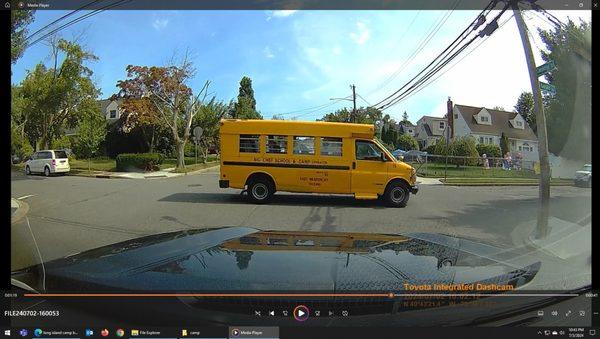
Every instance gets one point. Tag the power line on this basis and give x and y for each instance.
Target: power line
(61, 18)
(79, 19)
(435, 27)
(461, 37)
(488, 30)
(430, 82)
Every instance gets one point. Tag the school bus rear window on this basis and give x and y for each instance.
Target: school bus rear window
(331, 146)
(249, 143)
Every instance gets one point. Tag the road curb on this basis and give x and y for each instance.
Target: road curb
(21, 211)
(202, 170)
(503, 184)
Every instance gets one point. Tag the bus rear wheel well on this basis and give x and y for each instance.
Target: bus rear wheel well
(260, 176)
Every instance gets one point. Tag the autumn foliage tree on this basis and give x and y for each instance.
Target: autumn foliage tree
(161, 95)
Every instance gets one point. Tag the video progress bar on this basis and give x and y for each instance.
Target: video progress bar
(291, 295)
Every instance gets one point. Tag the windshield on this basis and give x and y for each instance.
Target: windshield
(291, 124)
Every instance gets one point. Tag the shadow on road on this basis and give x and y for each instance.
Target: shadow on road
(23, 176)
(500, 217)
(278, 199)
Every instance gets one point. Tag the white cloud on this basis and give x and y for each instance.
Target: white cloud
(160, 24)
(284, 13)
(268, 53)
(362, 34)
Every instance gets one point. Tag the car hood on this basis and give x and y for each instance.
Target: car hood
(247, 259)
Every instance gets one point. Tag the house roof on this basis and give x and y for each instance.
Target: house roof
(104, 103)
(406, 124)
(427, 130)
(500, 123)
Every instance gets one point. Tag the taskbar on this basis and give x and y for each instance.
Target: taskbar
(274, 332)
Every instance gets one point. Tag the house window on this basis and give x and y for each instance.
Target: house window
(455, 116)
(519, 124)
(442, 125)
(484, 119)
(481, 140)
(276, 144)
(113, 114)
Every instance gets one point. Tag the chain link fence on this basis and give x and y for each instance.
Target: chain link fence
(439, 166)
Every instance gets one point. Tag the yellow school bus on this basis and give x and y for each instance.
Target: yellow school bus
(265, 156)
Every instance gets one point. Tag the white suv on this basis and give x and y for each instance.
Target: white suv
(48, 162)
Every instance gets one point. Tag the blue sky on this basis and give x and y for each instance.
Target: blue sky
(300, 59)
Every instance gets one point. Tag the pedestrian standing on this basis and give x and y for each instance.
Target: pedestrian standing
(486, 163)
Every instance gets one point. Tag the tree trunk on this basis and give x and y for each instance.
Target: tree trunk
(180, 154)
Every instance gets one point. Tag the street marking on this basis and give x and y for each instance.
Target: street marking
(26, 196)
(582, 220)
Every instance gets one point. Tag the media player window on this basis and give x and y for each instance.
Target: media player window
(266, 169)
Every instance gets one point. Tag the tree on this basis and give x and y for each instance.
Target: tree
(91, 133)
(568, 116)
(364, 115)
(278, 117)
(56, 97)
(498, 108)
(208, 119)
(245, 107)
(504, 145)
(407, 142)
(524, 107)
(170, 98)
(19, 20)
(405, 118)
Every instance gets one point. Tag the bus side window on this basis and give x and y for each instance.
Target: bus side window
(249, 143)
(304, 145)
(331, 146)
(277, 144)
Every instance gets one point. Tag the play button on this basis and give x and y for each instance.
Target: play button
(301, 313)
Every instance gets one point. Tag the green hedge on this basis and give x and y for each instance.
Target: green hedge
(139, 161)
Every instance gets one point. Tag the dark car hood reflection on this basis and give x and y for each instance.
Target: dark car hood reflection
(246, 259)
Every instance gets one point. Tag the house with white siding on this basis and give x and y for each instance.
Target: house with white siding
(487, 126)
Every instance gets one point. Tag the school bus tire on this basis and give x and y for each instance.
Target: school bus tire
(396, 194)
(260, 188)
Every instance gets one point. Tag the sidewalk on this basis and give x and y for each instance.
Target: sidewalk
(428, 181)
(18, 209)
(165, 173)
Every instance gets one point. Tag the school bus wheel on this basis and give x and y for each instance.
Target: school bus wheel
(260, 188)
(396, 194)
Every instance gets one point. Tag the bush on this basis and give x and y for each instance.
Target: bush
(430, 149)
(464, 147)
(490, 150)
(406, 143)
(139, 161)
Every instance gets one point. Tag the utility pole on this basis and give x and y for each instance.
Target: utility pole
(353, 119)
(544, 194)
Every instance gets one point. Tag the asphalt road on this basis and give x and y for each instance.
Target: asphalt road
(70, 214)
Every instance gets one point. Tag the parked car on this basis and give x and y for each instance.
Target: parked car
(414, 156)
(15, 159)
(583, 177)
(398, 153)
(48, 162)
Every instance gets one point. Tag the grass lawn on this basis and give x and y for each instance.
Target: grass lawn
(195, 167)
(100, 164)
(504, 181)
(433, 170)
(189, 161)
